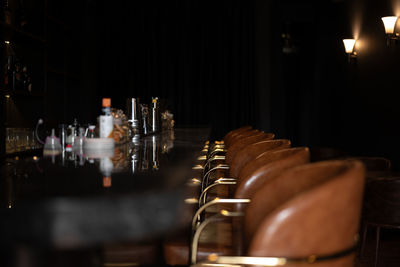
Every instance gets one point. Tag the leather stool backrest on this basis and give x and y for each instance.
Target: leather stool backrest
(313, 209)
(250, 152)
(267, 167)
(245, 141)
(238, 130)
(239, 135)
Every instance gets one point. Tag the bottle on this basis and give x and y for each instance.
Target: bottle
(9, 72)
(155, 115)
(63, 135)
(91, 133)
(155, 151)
(7, 13)
(134, 116)
(70, 139)
(75, 124)
(106, 121)
(18, 75)
(78, 144)
(145, 118)
(26, 79)
(106, 168)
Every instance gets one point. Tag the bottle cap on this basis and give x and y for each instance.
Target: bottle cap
(106, 102)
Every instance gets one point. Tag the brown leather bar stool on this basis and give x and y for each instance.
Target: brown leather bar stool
(217, 163)
(252, 151)
(226, 147)
(267, 166)
(237, 135)
(247, 154)
(211, 147)
(218, 147)
(307, 214)
(224, 164)
(177, 252)
(261, 170)
(234, 132)
(275, 151)
(244, 142)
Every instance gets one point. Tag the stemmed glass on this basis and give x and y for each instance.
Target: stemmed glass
(11, 140)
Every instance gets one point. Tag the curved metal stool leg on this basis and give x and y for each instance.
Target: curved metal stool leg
(378, 230)
(364, 240)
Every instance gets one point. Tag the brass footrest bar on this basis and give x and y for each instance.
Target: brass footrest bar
(220, 181)
(207, 174)
(275, 261)
(214, 158)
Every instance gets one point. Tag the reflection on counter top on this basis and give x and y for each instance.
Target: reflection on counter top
(45, 199)
(142, 154)
(138, 162)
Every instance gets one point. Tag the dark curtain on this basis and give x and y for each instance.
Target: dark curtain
(198, 55)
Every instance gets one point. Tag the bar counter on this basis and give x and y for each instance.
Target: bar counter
(75, 200)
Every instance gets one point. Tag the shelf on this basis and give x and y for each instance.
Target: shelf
(21, 93)
(23, 33)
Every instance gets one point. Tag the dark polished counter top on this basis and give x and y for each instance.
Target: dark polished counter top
(81, 199)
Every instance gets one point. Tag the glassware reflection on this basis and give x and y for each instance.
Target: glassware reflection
(106, 168)
(20, 139)
(139, 155)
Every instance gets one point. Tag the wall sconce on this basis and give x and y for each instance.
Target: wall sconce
(390, 24)
(349, 45)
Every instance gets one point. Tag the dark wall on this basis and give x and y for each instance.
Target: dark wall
(50, 46)
(375, 79)
(198, 55)
(278, 65)
(319, 99)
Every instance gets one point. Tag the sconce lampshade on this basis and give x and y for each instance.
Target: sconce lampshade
(349, 45)
(389, 23)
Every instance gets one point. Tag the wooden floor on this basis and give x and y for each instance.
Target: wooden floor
(389, 249)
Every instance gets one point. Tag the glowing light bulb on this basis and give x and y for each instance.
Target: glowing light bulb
(349, 45)
(389, 23)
